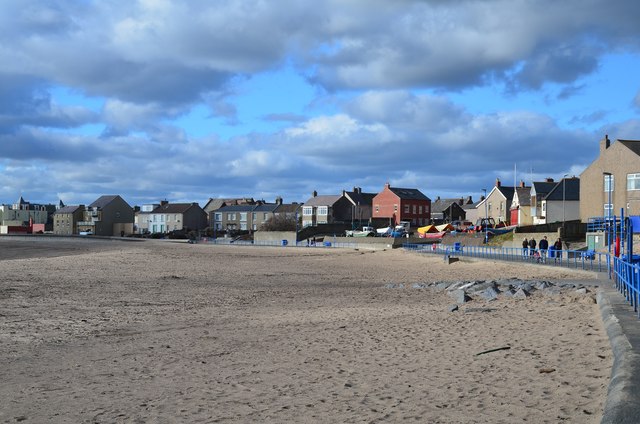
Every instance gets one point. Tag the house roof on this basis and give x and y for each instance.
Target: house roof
(524, 196)
(473, 205)
(440, 205)
(358, 197)
(541, 188)
(507, 192)
(236, 208)
(213, 204)
(323, 200)
(571, 190)
(174, 207)
(633, 145)
(67, 209)
(288, 207)
(103, 201)
(265, 207)
(408, 193)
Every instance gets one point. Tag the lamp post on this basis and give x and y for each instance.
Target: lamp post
(564, 183)
(609, 207)
(486, 217)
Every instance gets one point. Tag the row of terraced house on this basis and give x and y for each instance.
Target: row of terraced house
(611, 183)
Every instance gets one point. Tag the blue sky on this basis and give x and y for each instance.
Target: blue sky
(185, 101)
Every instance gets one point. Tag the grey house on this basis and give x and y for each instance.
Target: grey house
(108, 216)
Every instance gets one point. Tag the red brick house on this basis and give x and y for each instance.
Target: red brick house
(402, 204)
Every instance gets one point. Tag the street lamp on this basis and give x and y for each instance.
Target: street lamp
(564, 183)
(609, 207)
(486, 217)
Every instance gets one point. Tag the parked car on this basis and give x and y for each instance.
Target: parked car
(462, 225)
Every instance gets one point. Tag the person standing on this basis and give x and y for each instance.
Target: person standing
(525, 248)
(543, 246)
(532, 246)
(558, 249)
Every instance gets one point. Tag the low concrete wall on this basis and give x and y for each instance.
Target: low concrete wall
(519, 237)
(276, 237)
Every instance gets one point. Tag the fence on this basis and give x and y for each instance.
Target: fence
(587, 260)
(627, 280)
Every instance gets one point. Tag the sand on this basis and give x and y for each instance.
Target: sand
(167, 332)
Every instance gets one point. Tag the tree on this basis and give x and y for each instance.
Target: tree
(279, 223)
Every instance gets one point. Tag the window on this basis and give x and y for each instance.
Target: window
(307, 210)
(217, 216)
(254, 227)
(395, 208)
(377, 208)
(501, 206)
(489, 206)
(420, 210)
(633, 181)
(323, 210)
(607, 179)
(414, 209)
(243, 218)
(254, 216)
(231, 216)
(265, 216)
(243, 225)
(406, 208)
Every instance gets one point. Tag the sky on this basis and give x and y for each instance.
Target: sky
(190, 100)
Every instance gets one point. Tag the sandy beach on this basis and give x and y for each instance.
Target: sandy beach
(171, 332)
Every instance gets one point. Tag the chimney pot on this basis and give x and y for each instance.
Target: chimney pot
(605, 143)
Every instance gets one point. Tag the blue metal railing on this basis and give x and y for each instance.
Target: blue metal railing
(602, 223)
(627, 281)
(587, 260)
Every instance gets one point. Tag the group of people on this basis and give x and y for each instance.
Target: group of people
(531, 249)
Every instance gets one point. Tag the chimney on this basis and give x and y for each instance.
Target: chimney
(278, 200)
(163, 202)
(314, 193)
(605, 143)
(548, 180)
(469, 200)
(386, 185)
(522, 184)
(498, 183)
(344, 192)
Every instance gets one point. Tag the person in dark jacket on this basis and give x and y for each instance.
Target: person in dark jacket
(532, 246)
(525, 248)
(543, 246)
(558, 249)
